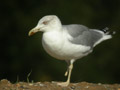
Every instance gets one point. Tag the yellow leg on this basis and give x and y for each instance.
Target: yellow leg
(66, 73)
(69, 71)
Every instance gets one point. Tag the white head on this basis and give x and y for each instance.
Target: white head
(47, 23)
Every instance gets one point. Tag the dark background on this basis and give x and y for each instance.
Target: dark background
(20, 54)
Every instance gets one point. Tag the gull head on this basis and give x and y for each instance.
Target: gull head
(46, 24)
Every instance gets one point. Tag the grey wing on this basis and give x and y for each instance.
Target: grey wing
(75, 30)
(82, 35)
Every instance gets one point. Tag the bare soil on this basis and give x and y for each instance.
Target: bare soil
(7, 85)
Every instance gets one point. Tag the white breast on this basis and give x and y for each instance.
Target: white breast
(52, 43)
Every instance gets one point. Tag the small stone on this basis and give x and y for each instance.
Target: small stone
(30, 84)
(87, 87)
(99, 84)
(42, 85)
(72, 87)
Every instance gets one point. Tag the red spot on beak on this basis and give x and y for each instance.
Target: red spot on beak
(31, 33)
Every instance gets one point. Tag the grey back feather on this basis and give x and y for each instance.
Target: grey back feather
(83, 35)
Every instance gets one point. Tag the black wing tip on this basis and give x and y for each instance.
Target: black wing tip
(106, 31)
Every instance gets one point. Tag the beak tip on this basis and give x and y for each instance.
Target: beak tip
(33, 31)
(30, 33)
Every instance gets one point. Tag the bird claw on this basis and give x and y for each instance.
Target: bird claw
(63, 84)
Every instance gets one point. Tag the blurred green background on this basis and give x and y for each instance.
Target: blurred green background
(19, 54)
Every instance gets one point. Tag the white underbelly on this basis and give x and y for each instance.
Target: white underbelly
(62, 49)
(66, 52)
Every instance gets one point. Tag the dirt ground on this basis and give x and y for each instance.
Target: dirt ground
(7, 85)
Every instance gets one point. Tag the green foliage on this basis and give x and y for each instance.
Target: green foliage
(29, 76)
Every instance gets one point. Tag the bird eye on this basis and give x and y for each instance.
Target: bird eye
(45, 22)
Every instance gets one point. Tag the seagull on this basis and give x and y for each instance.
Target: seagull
(68, 42)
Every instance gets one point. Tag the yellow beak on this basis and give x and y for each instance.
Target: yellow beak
(33, 31)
